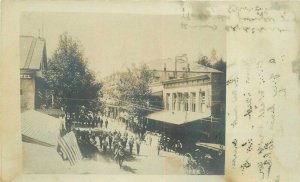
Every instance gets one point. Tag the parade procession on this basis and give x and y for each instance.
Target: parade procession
(120, 110)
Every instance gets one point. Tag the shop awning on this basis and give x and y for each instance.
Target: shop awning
(211, 146)
(177, 117)
(40, 128)
(52, 112)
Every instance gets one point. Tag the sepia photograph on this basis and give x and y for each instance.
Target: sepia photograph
(123, 94)
(149, 91)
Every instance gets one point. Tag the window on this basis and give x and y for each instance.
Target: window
(203, 97)
(202, 101)
(21, 91)
(193, 101)
(174, 98)
(167, 101)
(186, 101)
(179, 101)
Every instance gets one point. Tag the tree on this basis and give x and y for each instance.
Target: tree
(213, 56)
(204, 61)
(220, 65)
(135, 91)
(69, 80)
(209, 62)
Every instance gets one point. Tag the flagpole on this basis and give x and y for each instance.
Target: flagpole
(180, 58)
(175, 68)
(210, 96)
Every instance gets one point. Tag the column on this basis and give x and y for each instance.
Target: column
(197, 101)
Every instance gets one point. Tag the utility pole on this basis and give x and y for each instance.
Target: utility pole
(182, 59)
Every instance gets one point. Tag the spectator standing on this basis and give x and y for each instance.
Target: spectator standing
(106, 123)
(110, 138)
(124, 141)
(138, 145)
(179, 145)
(101, 139)
(131, 142)
(98, 121)
(150, 140)
(101, 122)
(105, 144)
(158, 147)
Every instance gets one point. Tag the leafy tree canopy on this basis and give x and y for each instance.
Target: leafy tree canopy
(220, 65)
(204, 61)
(213, 61)
(134, 90)
(73, 85)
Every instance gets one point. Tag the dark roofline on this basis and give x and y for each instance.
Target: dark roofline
(199, 77)
(189, 71)
(29, 69)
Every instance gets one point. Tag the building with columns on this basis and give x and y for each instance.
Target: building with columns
(200, 94)
(195, 97)
(194, 104)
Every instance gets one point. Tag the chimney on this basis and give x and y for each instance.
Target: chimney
(165, 72)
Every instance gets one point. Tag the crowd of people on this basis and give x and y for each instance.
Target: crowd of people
(91, 122)
(70, 122)
(138, 128)
(103, 134)
(94, 135)
(109, 141)
(170, 144)
(165, 143)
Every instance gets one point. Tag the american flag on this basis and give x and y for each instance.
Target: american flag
(70, 148)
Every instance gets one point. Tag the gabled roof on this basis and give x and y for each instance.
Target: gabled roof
(203, 69)
(178, 80)
(32, 53)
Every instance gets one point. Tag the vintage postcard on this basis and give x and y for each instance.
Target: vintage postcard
(165, 91)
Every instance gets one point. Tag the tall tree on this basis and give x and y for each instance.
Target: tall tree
(71, 82)
(134, 89)
(220, 65)
(204, 61)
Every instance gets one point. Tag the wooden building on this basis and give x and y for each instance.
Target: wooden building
(33, 61)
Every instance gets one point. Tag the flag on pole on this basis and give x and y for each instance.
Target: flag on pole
(181, 59)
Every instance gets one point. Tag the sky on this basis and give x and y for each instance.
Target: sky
(114, 41)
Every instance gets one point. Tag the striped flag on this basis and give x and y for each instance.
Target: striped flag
(70, 148)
